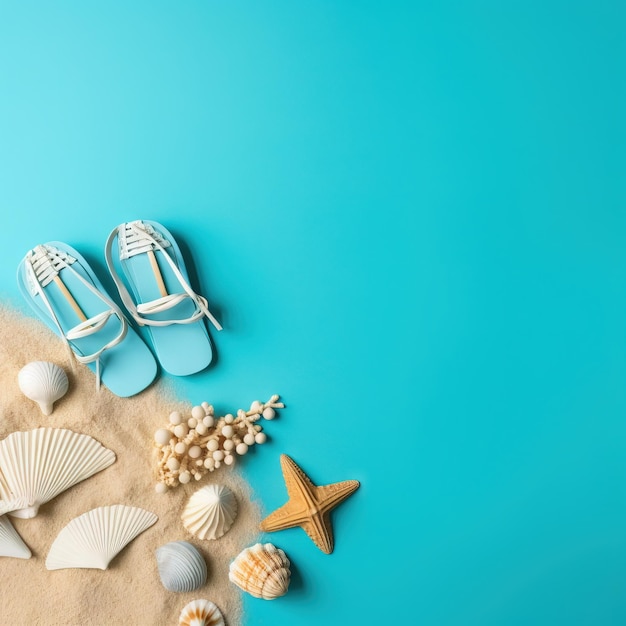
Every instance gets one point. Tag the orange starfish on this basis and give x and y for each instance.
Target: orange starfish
(308, 506)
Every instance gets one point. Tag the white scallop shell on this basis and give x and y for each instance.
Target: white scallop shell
(93, 539)
(11, 543)
(8, 506)
(210, 512)
(201, 613)
(11, 503)
(181, 566)
(39, 464)
(43, 382)
(262, 570)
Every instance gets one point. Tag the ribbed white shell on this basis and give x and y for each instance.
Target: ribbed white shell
(262, 570)
(93, 539)
(201, 613)
(11, 543)
(10, 503)
(8, 506)
(43, 382)
(37, 465)
(181, 566)
(210, 512)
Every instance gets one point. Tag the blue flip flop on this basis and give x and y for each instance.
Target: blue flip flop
(63, 290)
(156, 292)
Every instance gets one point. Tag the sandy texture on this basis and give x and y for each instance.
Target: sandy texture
(130, 591)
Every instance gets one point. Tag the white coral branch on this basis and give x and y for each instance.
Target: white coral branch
(190, 448)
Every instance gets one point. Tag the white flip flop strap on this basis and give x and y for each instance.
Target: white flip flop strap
(82, 329)
(90, 358)
(39, 290)
(136, 310)
(46, 261)
(92, 326)
(163, 304)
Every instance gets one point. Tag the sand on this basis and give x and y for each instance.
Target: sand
(129, 591)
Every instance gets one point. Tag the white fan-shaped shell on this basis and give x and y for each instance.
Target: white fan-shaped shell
(8, 506)
(93, 539)
(39, 464)
(181, 566)
(11, 503)
(43, 382)
(210, 512)
(11, 543)
(262, 570)
(201, 613)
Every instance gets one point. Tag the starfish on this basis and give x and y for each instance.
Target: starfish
(308, 506)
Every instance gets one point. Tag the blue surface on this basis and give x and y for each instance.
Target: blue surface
(410, 219)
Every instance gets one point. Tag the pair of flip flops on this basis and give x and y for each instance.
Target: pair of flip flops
(149, 272)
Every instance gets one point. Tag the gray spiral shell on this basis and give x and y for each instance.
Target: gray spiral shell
(181, 567)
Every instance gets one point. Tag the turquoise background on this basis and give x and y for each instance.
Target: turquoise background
(410, 218)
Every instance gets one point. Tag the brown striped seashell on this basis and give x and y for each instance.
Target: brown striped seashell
(262, 571)
(201, 613)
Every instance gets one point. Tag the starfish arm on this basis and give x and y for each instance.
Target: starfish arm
(287, 516)
(329, 496)
(319, 529)
(298, 484)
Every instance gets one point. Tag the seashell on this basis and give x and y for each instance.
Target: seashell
(11, 543)
(210, 512)
(39, 464)
(93, 539)
(11, 503)
(201, 613)
(262, 570)
(43, 382)
(181, 566)
(8, 506)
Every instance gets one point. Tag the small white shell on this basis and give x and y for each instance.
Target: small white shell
(181, 566)
(37, 465)
(93, 539)
(262, 570)
(201, 613)
(43, 382)
(11, 543)
(210, 512)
